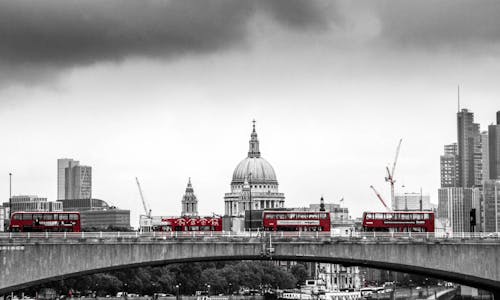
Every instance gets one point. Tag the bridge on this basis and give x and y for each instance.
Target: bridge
(28, 259)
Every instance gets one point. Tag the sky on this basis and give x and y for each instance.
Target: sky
(164, 90)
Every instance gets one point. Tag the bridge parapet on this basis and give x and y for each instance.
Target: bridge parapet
(246, 237)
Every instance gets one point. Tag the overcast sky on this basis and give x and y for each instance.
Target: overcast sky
(166, 90)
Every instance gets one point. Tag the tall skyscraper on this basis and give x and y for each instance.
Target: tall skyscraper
(78, 182)
(189, 202)
(469, 149)
(494, 149)
(462, 175)
(491, 197)
(449, 166)
(62, 164)
(485, 156)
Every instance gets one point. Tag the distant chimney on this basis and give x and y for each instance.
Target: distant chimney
(498, 117)
(322, 204)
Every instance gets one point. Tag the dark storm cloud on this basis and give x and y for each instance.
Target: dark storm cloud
(299, 13)
(460, 24)
(70, 32)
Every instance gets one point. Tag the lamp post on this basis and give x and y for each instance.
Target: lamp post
(177, 291)
(10, 195)
(208, 290)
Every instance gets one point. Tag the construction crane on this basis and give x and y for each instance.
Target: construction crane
(390, 173)
(148, 212)
(380, 198)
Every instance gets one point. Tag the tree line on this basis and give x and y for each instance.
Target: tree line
(185, 279)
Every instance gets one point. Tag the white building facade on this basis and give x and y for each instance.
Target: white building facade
(412, 201)
(32, 203)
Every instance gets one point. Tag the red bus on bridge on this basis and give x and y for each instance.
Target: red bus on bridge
(190, 224)
(296, 221)
(45, 221)
(399, 221)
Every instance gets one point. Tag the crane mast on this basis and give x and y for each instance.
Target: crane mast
(148, 212)
(380, 197)
(390, 173)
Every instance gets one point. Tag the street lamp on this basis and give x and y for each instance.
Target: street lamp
(208, 290)
(177, 291)
(10, 196)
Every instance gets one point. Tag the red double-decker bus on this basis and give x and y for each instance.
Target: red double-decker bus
(190, 224)
(45, 221)
(399, 221)
(296, 221)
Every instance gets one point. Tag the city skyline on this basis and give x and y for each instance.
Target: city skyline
(137, 211)
(333, 87)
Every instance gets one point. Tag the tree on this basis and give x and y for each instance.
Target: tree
(299, 271)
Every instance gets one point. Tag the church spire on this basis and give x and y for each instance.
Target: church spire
(189, 201)
(253, 150)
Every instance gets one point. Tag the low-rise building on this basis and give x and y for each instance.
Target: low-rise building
(335, 276)
(412, 201)
(32, 203)
(97, 214)
(84, 204)
(113, 218)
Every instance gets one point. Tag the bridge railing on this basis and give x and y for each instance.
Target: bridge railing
(145, 236)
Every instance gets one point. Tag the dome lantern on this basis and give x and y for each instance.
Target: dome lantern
(253, 150)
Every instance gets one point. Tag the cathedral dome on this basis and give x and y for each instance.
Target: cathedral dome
(254, 186)
(257, 169)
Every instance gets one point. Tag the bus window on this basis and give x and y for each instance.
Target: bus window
(27, 216)
(37, 216)
(388, 216)
(63, 217)
(369, 216)
(73, 216)
(17, 216)
(379, 216)
(426, 216)
(47, 217)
